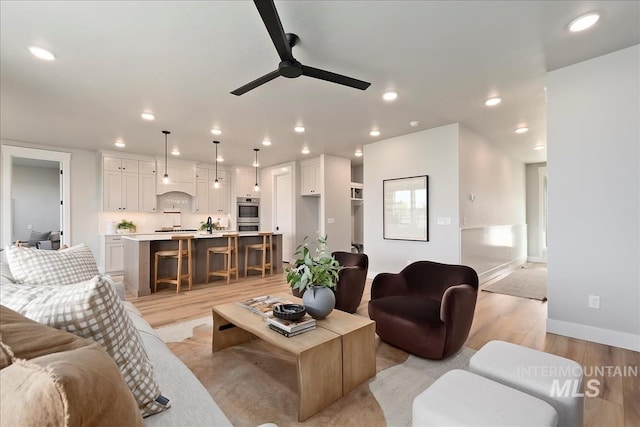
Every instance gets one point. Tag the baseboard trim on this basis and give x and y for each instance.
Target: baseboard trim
(536, 259)
(501, 269)
(594, 334)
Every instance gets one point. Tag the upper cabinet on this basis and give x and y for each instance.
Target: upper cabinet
(245, 183)
(119, 184)
(182, 177)
(310, 178)
(210, 200)
(128, 184)
(147, 200)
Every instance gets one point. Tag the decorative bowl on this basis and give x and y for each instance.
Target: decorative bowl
(289, 311)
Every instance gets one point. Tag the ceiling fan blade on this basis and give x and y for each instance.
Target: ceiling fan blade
(257, 82)
(269, 15)
(317, 73)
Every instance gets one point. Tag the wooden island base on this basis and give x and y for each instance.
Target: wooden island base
(139, 252)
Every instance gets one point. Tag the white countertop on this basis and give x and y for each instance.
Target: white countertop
(149, 237)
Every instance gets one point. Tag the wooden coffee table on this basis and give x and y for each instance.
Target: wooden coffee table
(331, 360)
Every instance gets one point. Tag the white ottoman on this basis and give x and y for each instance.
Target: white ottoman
(461, 398)
(554, 379)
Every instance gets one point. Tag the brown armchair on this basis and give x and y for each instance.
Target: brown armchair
(426, 309)
(351, 280)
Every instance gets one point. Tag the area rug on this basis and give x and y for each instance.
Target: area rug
(255, 383)
(529, 281)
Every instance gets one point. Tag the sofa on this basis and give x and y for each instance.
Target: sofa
(191, 404)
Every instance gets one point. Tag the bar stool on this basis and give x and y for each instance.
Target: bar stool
(177, 254)
(227, 251)
(264, 247)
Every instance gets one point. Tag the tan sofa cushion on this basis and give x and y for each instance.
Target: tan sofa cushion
(92, 310)
(77, 384)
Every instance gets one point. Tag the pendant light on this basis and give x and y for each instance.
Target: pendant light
(216, 184)
(256, 164)
(165, 180)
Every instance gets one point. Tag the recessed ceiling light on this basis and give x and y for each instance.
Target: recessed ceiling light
(220, 159)
(266, 142)
(305, 150)
(41, 53)
(299, 129)
(147, 116)
(492, 102)
(390, 96)
(216, 131)
(539, 147)
(120, 143)
(522, 129)
(175, 152)
(414, 123)
(583, 22)
(374, 133)
(358, 153)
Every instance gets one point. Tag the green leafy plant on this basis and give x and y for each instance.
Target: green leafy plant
(126, 225)
(308, 271)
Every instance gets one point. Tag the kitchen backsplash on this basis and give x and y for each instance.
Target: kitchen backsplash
(149, 222)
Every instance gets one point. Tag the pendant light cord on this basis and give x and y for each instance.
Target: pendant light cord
(166, 159)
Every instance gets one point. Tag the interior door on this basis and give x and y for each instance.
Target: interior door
(283, 217)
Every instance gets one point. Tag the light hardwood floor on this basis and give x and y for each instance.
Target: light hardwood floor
(497, 317)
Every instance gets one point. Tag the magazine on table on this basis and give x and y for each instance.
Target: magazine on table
(291, 334)
(291, 325)
(263, 305)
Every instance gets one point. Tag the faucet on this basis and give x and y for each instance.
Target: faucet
(209, 226)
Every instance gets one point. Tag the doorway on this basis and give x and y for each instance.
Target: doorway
(20, 207)
(283, 209)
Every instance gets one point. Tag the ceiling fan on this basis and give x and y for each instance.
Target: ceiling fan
(288, 66)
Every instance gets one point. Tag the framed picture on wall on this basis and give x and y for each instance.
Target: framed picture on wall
(406, 208)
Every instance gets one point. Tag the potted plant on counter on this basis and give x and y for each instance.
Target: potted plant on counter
(126, 226)
(315, 277)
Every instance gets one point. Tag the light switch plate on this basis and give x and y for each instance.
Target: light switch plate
(444, 221)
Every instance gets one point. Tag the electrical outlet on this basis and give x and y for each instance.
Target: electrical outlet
(29, 227)
(594, 301)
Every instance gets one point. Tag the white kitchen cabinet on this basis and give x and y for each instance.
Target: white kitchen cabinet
(311, 178)
(202, 197)
(120, 184)
(147, 200)
(202, 174)
(182, 177)
(114, 255)
(245, 183)
(220, 198)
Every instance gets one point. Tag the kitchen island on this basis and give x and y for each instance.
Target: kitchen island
(140, 249)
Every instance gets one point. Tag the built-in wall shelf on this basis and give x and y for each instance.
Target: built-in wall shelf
(356, 191)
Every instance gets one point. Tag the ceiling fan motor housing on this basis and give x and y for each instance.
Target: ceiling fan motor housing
(290, 69)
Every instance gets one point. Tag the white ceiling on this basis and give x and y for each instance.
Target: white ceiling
(180, 60)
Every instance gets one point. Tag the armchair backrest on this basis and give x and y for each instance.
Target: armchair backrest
(351, 280)
(432, 279)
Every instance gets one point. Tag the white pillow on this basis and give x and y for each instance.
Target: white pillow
(91, 309)
(63, 267)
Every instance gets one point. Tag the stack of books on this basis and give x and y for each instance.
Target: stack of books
(291, 328)
(263, 305)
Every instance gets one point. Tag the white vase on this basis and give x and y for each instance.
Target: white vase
(319, 301)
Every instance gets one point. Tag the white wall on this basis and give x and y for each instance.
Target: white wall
(496, 179)
(534, 226)
(594, 199)
(432, 152)
(36, 200)
(492, 207)
(85, 195)
(336, 197)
